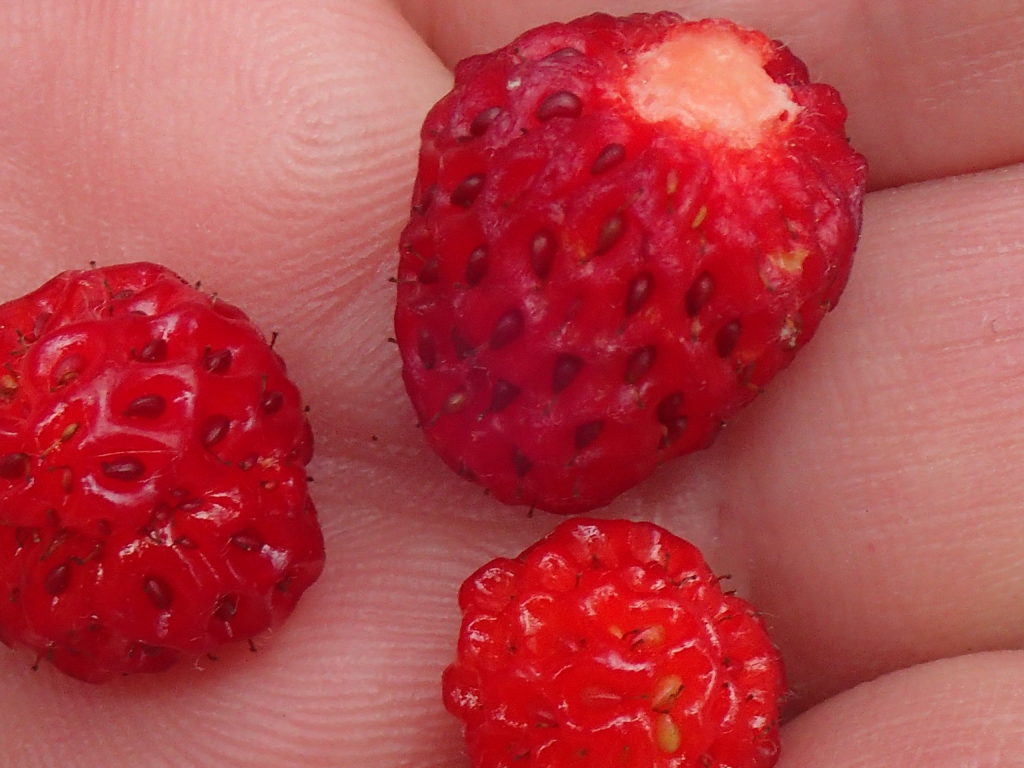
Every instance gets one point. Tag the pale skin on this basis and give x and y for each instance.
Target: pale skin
(869, 503)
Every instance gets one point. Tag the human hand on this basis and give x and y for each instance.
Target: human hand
(868, 503)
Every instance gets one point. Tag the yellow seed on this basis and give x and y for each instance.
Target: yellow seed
(699, 218)
(68, 432)
(666, 692)
(8, 383)
(666, 734)
(790, 261)
(672, 182)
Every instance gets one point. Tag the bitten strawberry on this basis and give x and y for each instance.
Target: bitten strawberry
(153, 492)
(622, 229)
(610, 644)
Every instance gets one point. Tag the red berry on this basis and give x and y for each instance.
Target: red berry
(622, 229)
(610, 644)
(152, 506)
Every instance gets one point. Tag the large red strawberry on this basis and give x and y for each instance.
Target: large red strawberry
(153, 497)
(622, 229)
(610, 644)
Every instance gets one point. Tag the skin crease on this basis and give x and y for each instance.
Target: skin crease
(868, 503)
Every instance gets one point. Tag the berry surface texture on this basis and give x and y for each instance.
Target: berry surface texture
(621, 230)
(153, 489)
(610, 644)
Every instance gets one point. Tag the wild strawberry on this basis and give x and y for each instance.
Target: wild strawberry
(622, 229)
(153, 499)
(610, 644)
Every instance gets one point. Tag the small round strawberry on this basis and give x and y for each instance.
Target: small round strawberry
(622, 229)
(610, 644)
(153, 491)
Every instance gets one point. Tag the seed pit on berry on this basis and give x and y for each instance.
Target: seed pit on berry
(58, 579)
(124, 468)
(639, 292)
(467, 190)
(426, 348)
(464, 349)
(483, 121)
(226, 607)
(503, 394)
(520, 463)
(272, 401)
(670, 416)
(430, 272)
(611, 231)
(13, 466)
(217, 361)
(69, 369)
(639, 364)
(699, 293)
(215, 429)
(567, 367)
(508, 328)
(542, 253)
(476, 266)
(608, 158)
(247, 541)
(560, 104)
(158, 592)
(154, 351)
(145, 407)
(727, 337)
(587, 433)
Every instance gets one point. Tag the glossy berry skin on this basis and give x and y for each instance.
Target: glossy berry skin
(610, 644)
(153, 491)
(589, 284)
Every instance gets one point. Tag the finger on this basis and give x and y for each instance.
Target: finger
(266, 149)
(875, 488)
(958, 712)
(933, 88)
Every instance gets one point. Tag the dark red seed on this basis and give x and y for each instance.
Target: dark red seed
(476, 266)
(542, 253)
(467, 190)
(520, 463)
(610, 233)
(699, 293)
(430, 272)
(271, 401)
(726, 338)
(247, 541)
(483, 121)
(587, 433)
(215, 429)
(503, 394)
(669, 407)
(508, 328)
(155, 351)
(639, 292)
(217, 361)
(58, 580)
(567, 367)
(608, 158)
(567, 52)
(158, 592)
(226, 607)
(426, 348)
(145, 407)
(13, 466)
(125, 468)
(69, 369)
(560, 104)
(463, 348)
(639, 364)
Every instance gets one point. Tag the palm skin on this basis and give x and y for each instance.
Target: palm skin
(868, 503)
